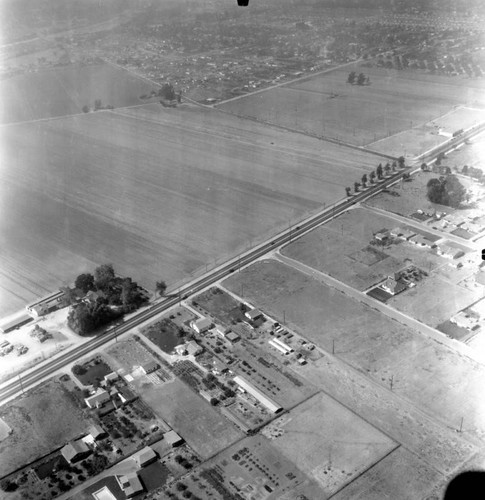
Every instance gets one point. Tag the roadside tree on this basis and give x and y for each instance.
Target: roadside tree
(364, 180)
(347, 191)
(356, 186)
(161, 286)
(379, 171)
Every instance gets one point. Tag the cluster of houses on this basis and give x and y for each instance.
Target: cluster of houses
(107, 398)
(129, 483)
(40, 334)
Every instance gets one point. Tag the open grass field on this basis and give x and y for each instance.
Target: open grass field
(65, 90)
(40, 421)
(204, 429)
(329, 443)
(430, 375)
(143, 187)
(326, 105)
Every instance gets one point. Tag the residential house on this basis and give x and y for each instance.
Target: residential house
(125, 395)
(449, 251)
(97, 432)
(202, 325)
(98, 399)
(93, 296)
(193, 349)
(393, 285)
(149, 367)
(111, 377)
(130, 484)
(407, 234)
(422, 241)
(144, 457)
(74, 451)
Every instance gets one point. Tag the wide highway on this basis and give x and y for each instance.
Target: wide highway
(14, 386)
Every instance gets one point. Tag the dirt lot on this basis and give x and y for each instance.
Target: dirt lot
(341, 248)
(64, 91)
(370, 342)
(326, 105)
(36, 428)
(84, 190)
(204, 429)
(328, 442)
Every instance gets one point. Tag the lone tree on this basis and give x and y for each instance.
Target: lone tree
(347, 191)
(446, 191)
(364, 180)
(424, 167)
(351, 78)
(161, 286)
(379, 171)
(85, 108)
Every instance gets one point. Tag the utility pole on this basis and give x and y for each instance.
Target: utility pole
(284, 317)
(461, 426)
(333, 346)
(392, 381)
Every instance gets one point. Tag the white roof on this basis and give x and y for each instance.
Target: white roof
(269, 403)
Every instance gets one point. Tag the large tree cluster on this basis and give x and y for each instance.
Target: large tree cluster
(446, 191)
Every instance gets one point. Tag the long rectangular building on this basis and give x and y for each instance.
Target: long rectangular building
(278, 347)
(264, 400)
(283, 345)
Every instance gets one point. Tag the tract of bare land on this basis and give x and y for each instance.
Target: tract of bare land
(144, 187)
(326, 105)
(328, 442)
(432, 376)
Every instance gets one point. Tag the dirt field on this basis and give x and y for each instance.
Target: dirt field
(64, 91)
(370, 342)
(142, 188)
(387, 477)
(328, 442)
(204, 429)
(36, 428)
(326, 105)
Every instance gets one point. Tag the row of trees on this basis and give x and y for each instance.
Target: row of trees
(358, 79)
(378, 173)
(97, 106)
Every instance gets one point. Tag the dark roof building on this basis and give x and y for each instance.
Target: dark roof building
(130, 484)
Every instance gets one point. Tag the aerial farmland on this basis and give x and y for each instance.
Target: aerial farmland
(392, 102)
(142, 187)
